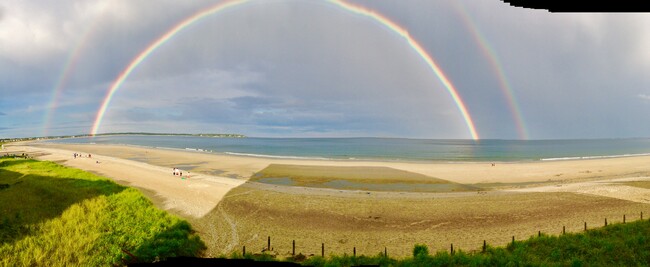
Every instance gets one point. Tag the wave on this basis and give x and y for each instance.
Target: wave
(596, 157)
(274, 156)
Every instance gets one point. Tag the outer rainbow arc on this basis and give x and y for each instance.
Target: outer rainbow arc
(152, 47)
(70, 64)
(492, 57)
(345, 6)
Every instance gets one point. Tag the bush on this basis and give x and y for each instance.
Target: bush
(420, 250)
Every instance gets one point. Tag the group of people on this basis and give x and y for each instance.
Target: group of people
(79, 155)
(177, 171)
(76, 155)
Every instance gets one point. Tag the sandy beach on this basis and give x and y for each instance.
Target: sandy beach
(192, 196)
(228, 211)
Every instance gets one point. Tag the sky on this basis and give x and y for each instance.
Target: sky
(309, 68)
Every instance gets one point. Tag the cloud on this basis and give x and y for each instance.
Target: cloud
(2, 113)
(644, 97)
(320, 69)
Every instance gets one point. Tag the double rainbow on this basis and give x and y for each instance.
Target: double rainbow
(355, 9)
(70, 64)
(492, 57)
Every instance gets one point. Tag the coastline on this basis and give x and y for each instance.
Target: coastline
(399, 150)
(243, 167)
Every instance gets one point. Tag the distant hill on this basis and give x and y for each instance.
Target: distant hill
(215, 135)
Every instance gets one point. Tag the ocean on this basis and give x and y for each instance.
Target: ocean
(387, 149)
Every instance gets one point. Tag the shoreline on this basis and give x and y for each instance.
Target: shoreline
(369, 159)
(243, 167)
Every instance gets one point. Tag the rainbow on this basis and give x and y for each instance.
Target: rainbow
(492, 57)
(359, 10)
(70, 64)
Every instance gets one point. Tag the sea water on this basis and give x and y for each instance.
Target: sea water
(387, 149)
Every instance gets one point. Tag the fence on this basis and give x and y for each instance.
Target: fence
(451, 249)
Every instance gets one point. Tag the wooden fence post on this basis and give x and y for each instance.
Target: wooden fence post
(268, 243)
(354, 251)
(605, 221)
(585, 226)
(563, 229)
(322, 250)
(244, 251)
(623, 218)
(539, 233)
(385, 252)
(513, 240)
(293, 250)
(484, 245)
(452, 249)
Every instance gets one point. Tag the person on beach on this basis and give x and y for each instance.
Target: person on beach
(174, 171)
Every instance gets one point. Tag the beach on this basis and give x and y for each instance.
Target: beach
(230, 208)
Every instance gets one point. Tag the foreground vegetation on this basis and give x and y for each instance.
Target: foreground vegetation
(51, 215)
(613, 245)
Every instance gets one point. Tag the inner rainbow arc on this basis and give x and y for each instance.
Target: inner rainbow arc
(344, 5)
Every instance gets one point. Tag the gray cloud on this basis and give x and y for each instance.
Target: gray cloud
(644, 97)
(309, 68)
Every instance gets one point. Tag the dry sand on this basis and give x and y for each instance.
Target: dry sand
(189, 197)
(229, 212)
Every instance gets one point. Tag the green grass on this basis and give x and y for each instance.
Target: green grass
(614, 245)
(51, 215)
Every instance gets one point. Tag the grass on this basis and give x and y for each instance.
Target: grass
(363, 178)
(51, 215)
(613, 245)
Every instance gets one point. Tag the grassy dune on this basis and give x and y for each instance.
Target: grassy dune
(363, 178)
(614, 245)
(52, 215)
